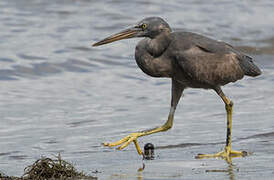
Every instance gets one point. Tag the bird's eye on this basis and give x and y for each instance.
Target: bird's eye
(144, 26)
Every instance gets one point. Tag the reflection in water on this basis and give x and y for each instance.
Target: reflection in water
(140, 172)
(140, 176)
(230, 170)
(59, 94)
(141, 168)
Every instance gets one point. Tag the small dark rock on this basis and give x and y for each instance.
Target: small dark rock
(149, 151)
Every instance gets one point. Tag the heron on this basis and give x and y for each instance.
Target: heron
(190, 60)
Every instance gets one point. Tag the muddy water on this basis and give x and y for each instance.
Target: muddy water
(57, 94)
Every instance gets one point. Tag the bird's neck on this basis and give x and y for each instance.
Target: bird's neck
(157, 46)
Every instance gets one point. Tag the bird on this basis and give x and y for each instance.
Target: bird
(190, 60)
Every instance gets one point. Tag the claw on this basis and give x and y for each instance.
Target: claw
(126, 141)
(117, 143)
(226, 154)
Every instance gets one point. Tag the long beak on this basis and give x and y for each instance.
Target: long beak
(128, 33)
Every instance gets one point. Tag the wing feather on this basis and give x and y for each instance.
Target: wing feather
(204, 66)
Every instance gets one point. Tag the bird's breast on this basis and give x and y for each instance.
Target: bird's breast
(159, 66)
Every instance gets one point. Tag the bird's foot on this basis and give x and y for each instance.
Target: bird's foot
(126, 141)
(227, 154)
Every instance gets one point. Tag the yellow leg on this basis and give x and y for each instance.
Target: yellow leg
(177, 90)
(227, 153)
(133, 136)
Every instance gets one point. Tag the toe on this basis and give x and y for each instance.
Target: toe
(126, 143)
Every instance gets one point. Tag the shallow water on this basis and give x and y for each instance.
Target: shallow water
(58, 94)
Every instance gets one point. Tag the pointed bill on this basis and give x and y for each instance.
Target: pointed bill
(128, 33)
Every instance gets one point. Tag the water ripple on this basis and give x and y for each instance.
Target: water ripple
(60, 94)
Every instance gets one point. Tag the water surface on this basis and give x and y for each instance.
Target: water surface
(58, 94)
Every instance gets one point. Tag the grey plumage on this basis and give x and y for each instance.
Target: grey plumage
(190, 60)
(201, 62)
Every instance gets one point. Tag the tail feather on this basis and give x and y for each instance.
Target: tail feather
(248, 66)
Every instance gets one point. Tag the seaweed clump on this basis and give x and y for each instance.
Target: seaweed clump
(47, 168)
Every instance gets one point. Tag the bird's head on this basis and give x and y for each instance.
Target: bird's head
(148, 27)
